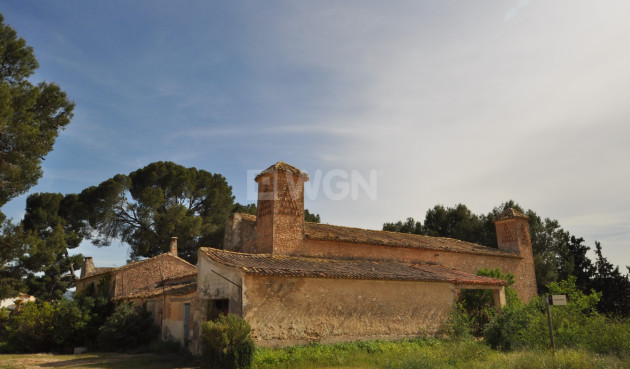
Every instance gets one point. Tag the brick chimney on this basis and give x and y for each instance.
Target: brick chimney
(280, 218)
(173, 249)
(513, 236)
(513, 232)
(87, 267)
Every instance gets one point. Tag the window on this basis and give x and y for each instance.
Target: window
(217, 307)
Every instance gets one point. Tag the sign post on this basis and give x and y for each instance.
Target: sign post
(553, 300)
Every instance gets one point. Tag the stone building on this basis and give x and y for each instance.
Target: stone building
(298, 282)
(166, 285)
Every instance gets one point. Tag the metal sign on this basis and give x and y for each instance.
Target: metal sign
(558, 300)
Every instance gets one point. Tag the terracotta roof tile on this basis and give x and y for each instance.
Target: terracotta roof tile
(99, 271)
(161, 256)
(172, 290)
(280, 265)
(327, 232)
(102, 270)
(510, 213)
(283, 167)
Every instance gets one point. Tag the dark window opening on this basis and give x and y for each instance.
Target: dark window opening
(218, 307)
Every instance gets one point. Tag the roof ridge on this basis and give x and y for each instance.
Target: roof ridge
(162, 255)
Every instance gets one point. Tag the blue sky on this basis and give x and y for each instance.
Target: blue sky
(447, 101)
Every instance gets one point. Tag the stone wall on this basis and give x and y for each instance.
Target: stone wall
(148, 273)
(286, 311)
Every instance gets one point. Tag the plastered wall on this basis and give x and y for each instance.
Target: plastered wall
(293, 310)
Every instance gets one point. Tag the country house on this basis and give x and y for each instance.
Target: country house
(299, 282)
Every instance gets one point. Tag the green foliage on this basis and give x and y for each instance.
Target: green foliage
(409, 226)
(11, 249)
(43, 266)
(162, 200)
(127, 328)
(576, 325)
(245, 209)
(311, 217)
(30, 116)
(479, 304)
(45, 326)
(99, 308)
(458, 326)
(425, 353)
(557, 254)
(226, 343)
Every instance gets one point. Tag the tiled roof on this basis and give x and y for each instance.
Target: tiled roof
(178, 279)
(327, 232)
(172, 290)
(283, 167)
(280, 265)
(161, 256)
(510, 213)
(102, 270)
(98, 271)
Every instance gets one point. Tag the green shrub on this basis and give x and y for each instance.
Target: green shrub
(576, 325)
(99, 309)
(458, 326)
(45, 326)
(226, 343)
(479, 304)
(126, 329)
(508, 329)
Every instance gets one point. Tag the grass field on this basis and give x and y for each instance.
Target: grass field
(416, 354)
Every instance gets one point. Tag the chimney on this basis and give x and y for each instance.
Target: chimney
(280, 219)
(513, 236)
(174, 246)
(87, 267)
(513, 232)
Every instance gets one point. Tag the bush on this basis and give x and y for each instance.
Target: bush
(458, 326)
(226, 343)
(576, 325)
(99, 309)
(479, 304)
(127, 328)
(45, 326)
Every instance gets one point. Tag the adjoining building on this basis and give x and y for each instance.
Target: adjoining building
(298, 282)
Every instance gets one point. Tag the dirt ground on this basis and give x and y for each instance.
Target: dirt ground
(97, 360)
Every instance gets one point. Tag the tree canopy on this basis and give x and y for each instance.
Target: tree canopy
(30, 116)
(557, 254)
(162, 200)
(32, 253)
